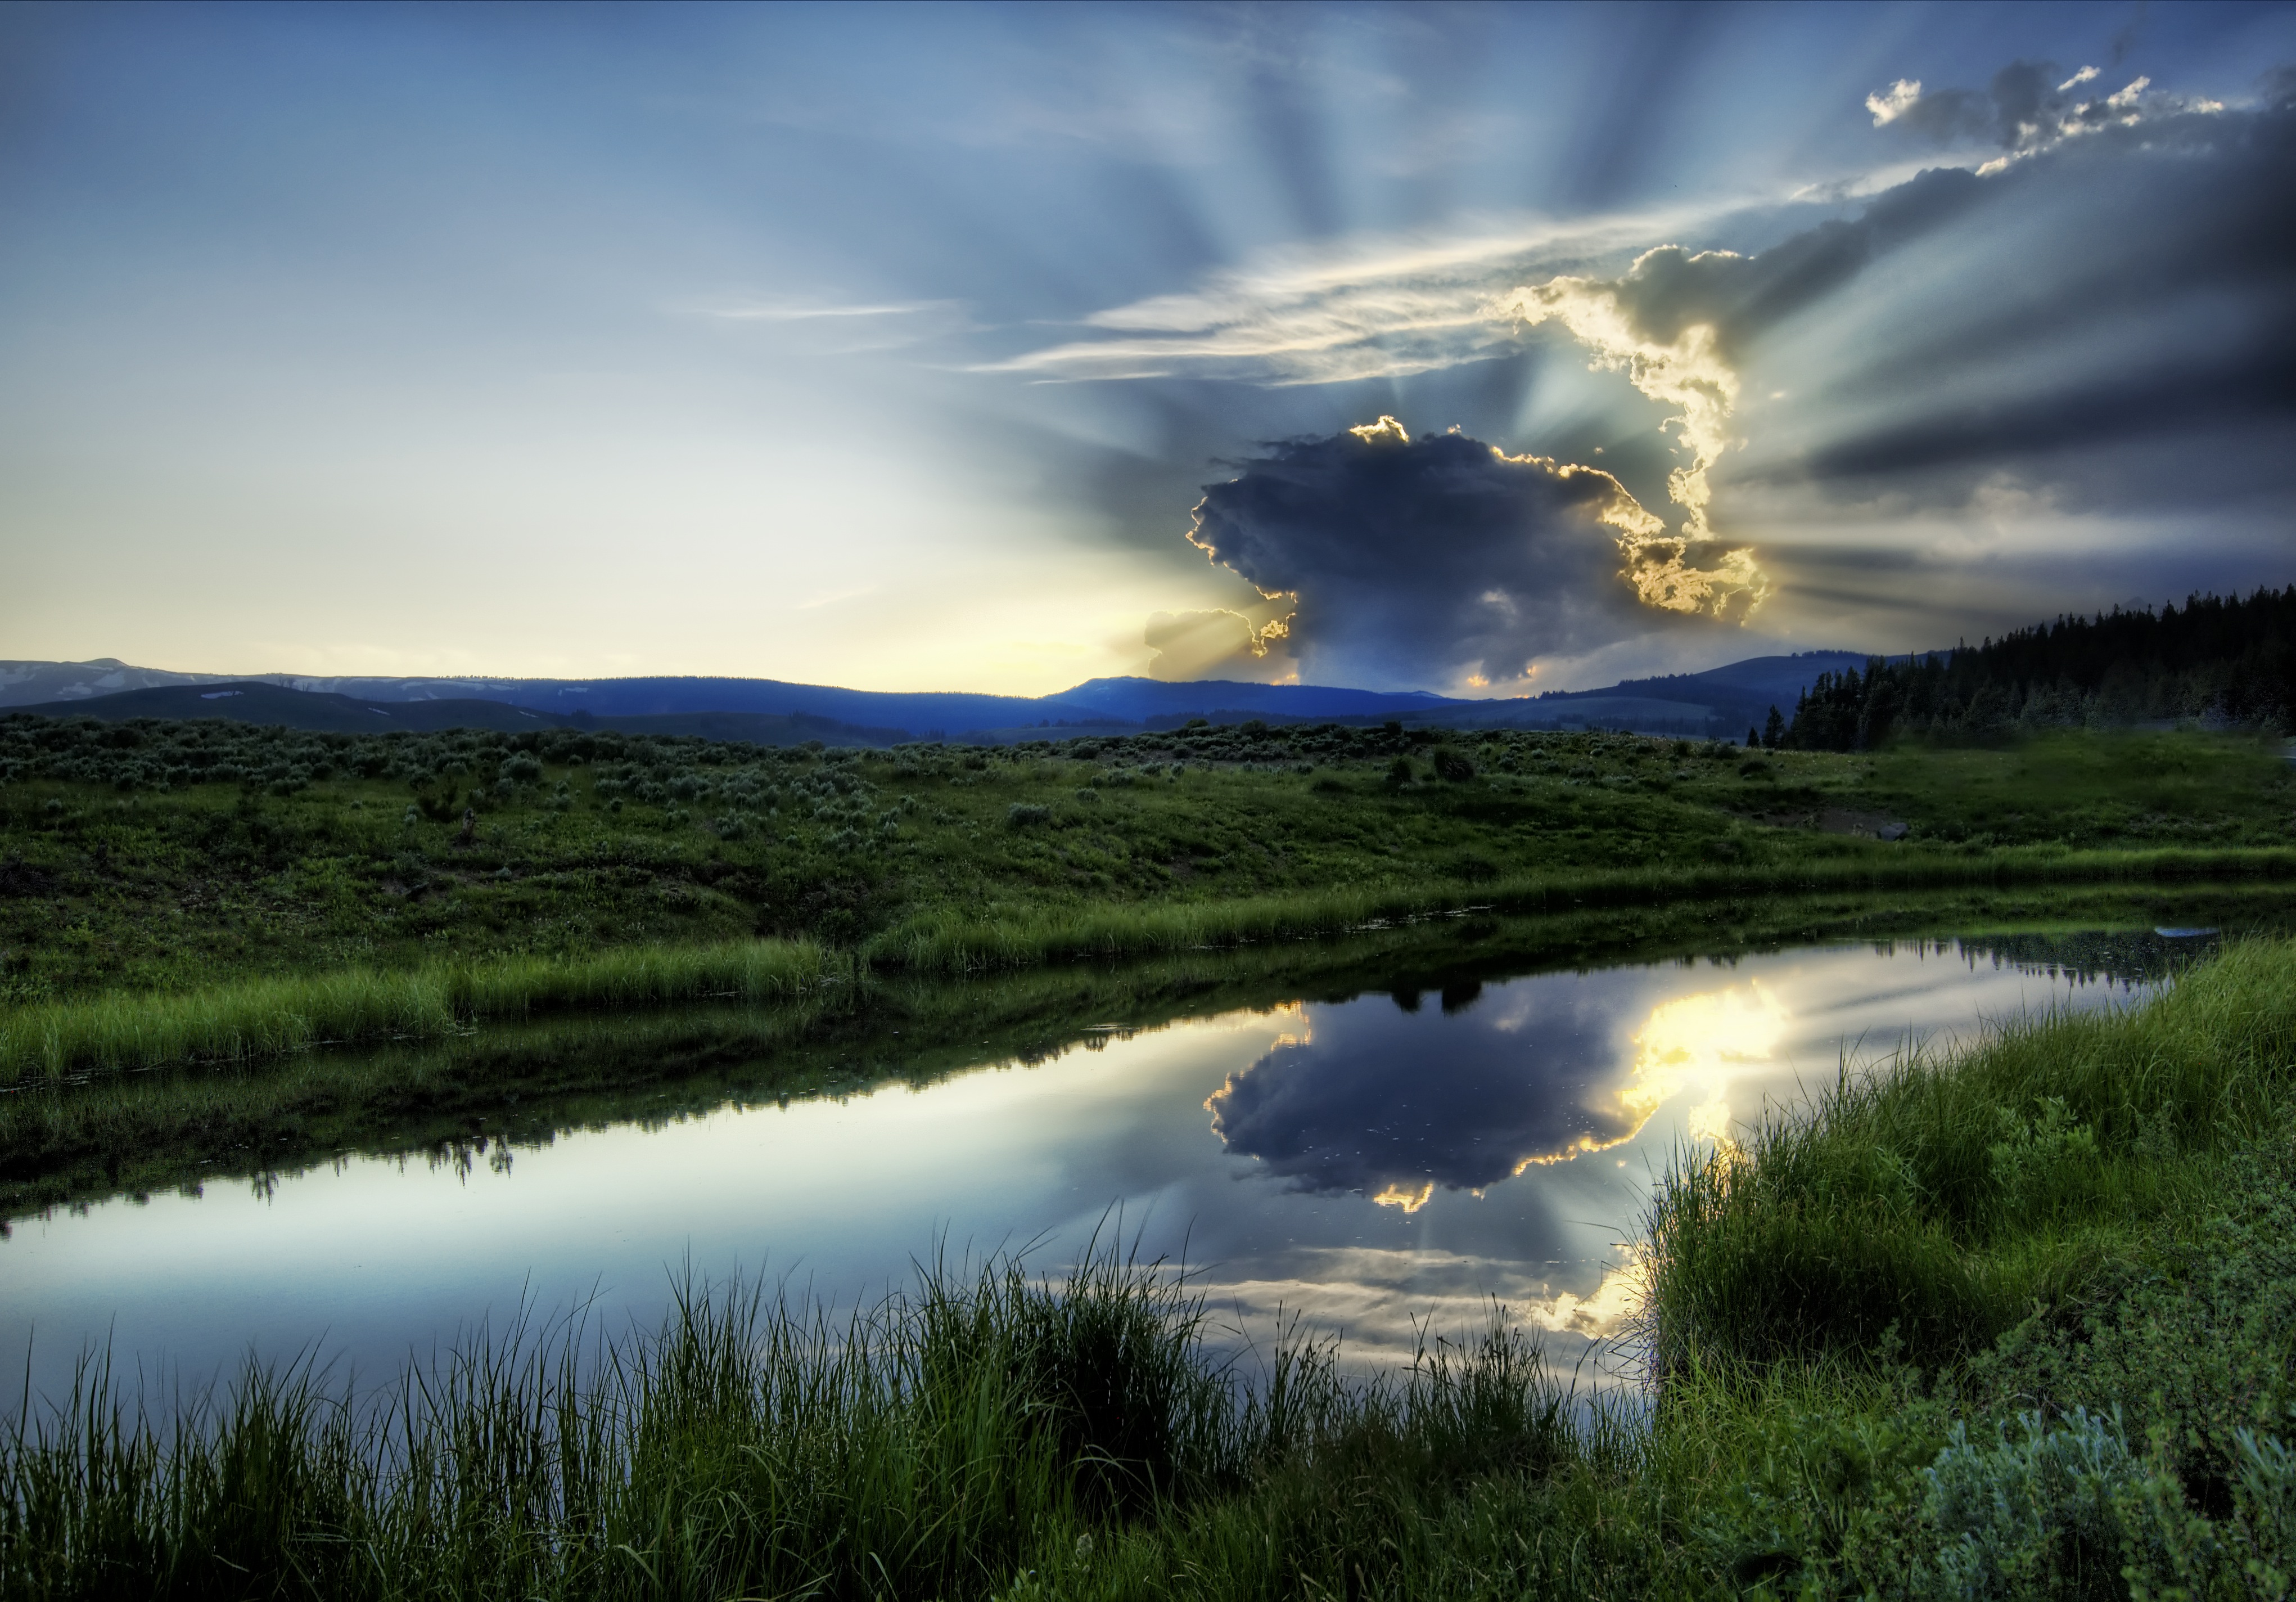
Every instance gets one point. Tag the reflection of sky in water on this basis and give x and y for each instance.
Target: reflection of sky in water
(1367, 1161)
(1393, 1102)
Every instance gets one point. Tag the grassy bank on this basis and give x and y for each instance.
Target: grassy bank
(948, 941)
(2017, 1322)
(209, 890)
(241, 1019)
(1942, 1201)
(237, 1019)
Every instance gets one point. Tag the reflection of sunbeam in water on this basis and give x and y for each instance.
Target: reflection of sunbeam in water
(1702, 1043)
(1696, 1044)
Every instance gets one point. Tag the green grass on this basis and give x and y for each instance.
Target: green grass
(951, 941)
(239, 1018)
(943, 1443)
(171, 889)
(2082, 1214)
(236, 1021)
(150, 914)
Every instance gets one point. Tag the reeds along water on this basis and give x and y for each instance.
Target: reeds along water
(1932, 1201)
(938, 1444)
(269, 1016)
(266, 1017)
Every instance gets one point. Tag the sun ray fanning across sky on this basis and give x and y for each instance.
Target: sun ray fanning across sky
(935, 349)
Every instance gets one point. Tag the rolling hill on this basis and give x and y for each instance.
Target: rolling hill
(1722, 702)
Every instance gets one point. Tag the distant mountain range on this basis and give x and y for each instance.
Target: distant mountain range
(1722, 702)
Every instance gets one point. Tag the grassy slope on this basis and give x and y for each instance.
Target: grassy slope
(912, 855)
(172, 890)
(2105, 1416)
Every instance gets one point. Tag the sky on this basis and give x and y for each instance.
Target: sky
(1486, 350)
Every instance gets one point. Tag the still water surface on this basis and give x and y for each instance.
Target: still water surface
(1371, 1163)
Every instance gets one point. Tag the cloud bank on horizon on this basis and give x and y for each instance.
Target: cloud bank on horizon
(1479, 351)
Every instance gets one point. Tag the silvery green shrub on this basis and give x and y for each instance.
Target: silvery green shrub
(2033, 1513)
(2073, 1512)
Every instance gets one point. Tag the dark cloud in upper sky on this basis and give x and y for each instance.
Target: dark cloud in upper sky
(1417, 561)
(2047, 330)
(2133, 265)
(2132, 284)
(2025, 107)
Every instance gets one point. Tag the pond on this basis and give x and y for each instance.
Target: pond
(1379, 1163)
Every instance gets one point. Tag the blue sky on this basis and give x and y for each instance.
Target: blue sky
(896, 347)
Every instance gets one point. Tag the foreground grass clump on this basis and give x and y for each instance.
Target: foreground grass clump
(943, 1444)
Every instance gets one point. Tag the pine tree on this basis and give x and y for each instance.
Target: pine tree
(1774, 729)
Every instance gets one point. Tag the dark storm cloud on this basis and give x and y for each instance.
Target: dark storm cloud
(2077, 336)
(2121, 278)
(2161, 301)
(1384, 1102)
(2025, 107)
(1417, 560)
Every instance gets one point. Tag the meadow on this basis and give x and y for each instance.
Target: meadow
(212, 890)
(2009, 1322)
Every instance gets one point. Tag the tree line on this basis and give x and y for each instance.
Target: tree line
(2227, 662)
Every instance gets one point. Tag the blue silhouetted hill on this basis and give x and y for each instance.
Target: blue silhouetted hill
(772, 712)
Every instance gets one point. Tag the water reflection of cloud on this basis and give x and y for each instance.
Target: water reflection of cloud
(1387, 1302)
(1392, 1104)
(1395, 1104)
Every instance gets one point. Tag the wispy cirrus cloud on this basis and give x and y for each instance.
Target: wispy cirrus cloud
(807, 311)
(1378, 309)
(843, 328)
